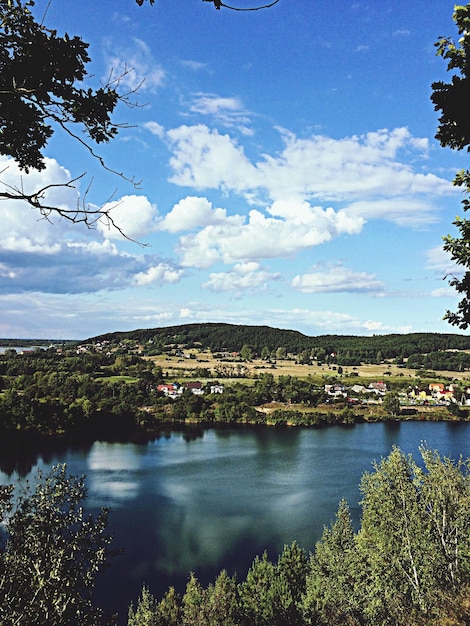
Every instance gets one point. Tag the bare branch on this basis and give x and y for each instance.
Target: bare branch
(82, 213)
(219, 3)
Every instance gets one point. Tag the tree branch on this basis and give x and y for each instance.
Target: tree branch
(82, 213)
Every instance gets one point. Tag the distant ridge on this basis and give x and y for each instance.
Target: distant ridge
(232, 337)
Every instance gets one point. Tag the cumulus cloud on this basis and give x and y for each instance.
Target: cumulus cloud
(286, 228)
(204, 159)
(134, 215)
(80, 267)
(361, 169)
(336, 279)
(192, 212)
(57, 257)
(248, 276)
(23, 227)
(158, 274)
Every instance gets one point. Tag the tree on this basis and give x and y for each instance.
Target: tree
(41, 91)
(51, 554)
(247, 352)
(409, 562)
(222, 602)
(453, 101)
(265, 353)
(149, 612)
(330, 590)
(409, 516)
(391, 404)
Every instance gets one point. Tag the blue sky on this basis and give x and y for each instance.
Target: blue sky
(289, 175)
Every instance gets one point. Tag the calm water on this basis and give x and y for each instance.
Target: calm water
(217, 499)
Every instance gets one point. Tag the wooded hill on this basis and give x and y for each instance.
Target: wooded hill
(231, 337)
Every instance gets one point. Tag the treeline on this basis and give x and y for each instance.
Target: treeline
(349, 350)
(407, 565)
(93, 395)
(86, 395)
(116, 396)
(450, 361)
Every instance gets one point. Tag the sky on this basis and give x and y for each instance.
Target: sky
(285, 174)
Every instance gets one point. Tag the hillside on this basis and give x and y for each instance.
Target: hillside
(231, 337)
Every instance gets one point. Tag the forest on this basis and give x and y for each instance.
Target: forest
(231, 337)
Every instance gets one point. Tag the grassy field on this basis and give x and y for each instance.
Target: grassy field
(184, 368)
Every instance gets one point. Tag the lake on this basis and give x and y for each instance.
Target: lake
(204, 500)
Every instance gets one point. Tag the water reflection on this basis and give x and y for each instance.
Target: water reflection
(206, 500)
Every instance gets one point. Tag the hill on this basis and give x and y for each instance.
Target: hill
(232, 337)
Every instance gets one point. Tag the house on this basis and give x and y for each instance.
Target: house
(170, 390)
(194, 387)
(380, 388)
(217, 389)
(420, 395)
(445, 394)
(358, 389)
(336, 390)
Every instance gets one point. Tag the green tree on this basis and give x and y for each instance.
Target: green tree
(265, 353)
(223, 605)
(452, 100)
(194, 603)
(409, 562)
(391, 404)
(266, 596)
(146, 613)
(41, 91)
(247, 352)
(409, 516)
(52, 553)
(330, 594)
(150, 612)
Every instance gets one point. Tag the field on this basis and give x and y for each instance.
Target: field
(189, 368)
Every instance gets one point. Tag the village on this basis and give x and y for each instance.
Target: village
(435, 394)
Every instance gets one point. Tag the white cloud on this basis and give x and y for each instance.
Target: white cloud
(404, 211)
(332, 322)
(203, 158)
(227, 111)
(161, 273)
(336, 279)
(155, 128)
(364, 169)
(23, 227)
(247, 276)
(195, 66)
(133, 214)
(192, 212)
(439, 260)
(134, 67)
(288, 228)
(444, 292)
